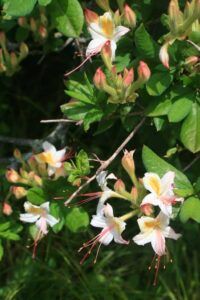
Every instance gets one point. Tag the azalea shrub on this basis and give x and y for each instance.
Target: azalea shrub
(112, 88)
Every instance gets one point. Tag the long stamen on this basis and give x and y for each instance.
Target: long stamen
(157, 267)
(38, 237)
(81, 64)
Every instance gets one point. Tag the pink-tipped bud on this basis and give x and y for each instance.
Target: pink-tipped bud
(147, 209)
(33, 24)
(128, 77)
(12, 176)
(42, 32)
(192, 60)
(104, 4)
(119, 186)
(22, 21)
(144, 72)
(114, 70)
(173, 10)
(117, 18)
(164, 56)
(13, 59)
(7, 209)
(129, 16)
(19, 192)
(128, 162)
(34, 178)
(134, 193)
(99, 79)
(90, 16)
(106, 54)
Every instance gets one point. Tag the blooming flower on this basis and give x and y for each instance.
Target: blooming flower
(103, 29)
(161, 191)
(41, 217)
(51, 156)
(112, 229)
(154, 231)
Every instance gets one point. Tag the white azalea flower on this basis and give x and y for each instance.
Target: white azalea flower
(161, 191)
(112, 229)
(38, 215)
(154, 231)
(107, 192)
(103, 29)
(52, 157)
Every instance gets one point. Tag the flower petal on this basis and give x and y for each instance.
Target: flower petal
(158, 242)
(95, 46)
(51, 220)
(113, 46)
(42, 225)
(51, 170)
(60, 155)
(108, 210)
(106, 238)
(146, 224)
(152, 183)
(143, 238)
(29, 218)
(167, 182)
(120, 31)
(98, 221)
(171, 234)
(45, 206)
(48, 147)
(165, 208)
(163, 220)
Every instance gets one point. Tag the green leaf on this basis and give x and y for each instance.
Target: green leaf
(44, 2)
(18, 8)
(56, 211)
(77, 219)
(82, 163)
(159, 123)
(1, 250)
(159, 107)
(92, 116)
(67, 16)
(145, 45)
(179, 110)
(79, 91)
(75, 110)
(190, 209)
(4, 226)
(36, 195)
(158, 83)
(153, 163)
(190, 131)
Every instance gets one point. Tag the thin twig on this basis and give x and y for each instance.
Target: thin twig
(192, 163)
(194, 45)
(18, 141)
(58, 121)
(107, 162)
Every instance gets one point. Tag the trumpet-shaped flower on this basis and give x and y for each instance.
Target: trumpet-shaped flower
(112, 229)
(103, 29)
(41, 217)
(161, 191)
(154, 231)
(52, 157)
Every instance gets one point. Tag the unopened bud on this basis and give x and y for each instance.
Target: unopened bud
(23, 50)
(42, 32)
(33, 24)
(13, 59)
(90, 16)
(34, 178)
(129, 16)
(19, 192)
(128, 162)
(134, 193)
(119, 186)
(12, 176)
(99, 79)
(117, 18)
(2, 38)
(147, 209)
(144, 72)
(164, 56)
(175, 15)
(128, 77)
(104, 4)
(17, 154)
(7, 209)
(22, 21)
(106, 54)
(192, 60)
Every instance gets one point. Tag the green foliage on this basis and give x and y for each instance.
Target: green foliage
(36, 195)
(77, 219)
(190, 210)
(18, 8)
(158, 83)
(67, 16)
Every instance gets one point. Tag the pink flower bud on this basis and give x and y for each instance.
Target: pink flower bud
(134, 193)
(42, 32)
(164, 56)
(144, 72)
(19, 192)
(119, 186)
(34, 178)
(106, 54)
(12, 176)
(191, 60)
(90, 16)
(7, 209)
(128, 162)
(129, 16)
(147, 209)
(99, 79)
(128, 77)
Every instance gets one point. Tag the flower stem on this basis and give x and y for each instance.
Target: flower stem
(129, 215)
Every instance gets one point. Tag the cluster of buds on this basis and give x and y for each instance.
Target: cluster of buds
(181, 24)
(10, 60)
(120, 87)
(145, 197)
(38, 27)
